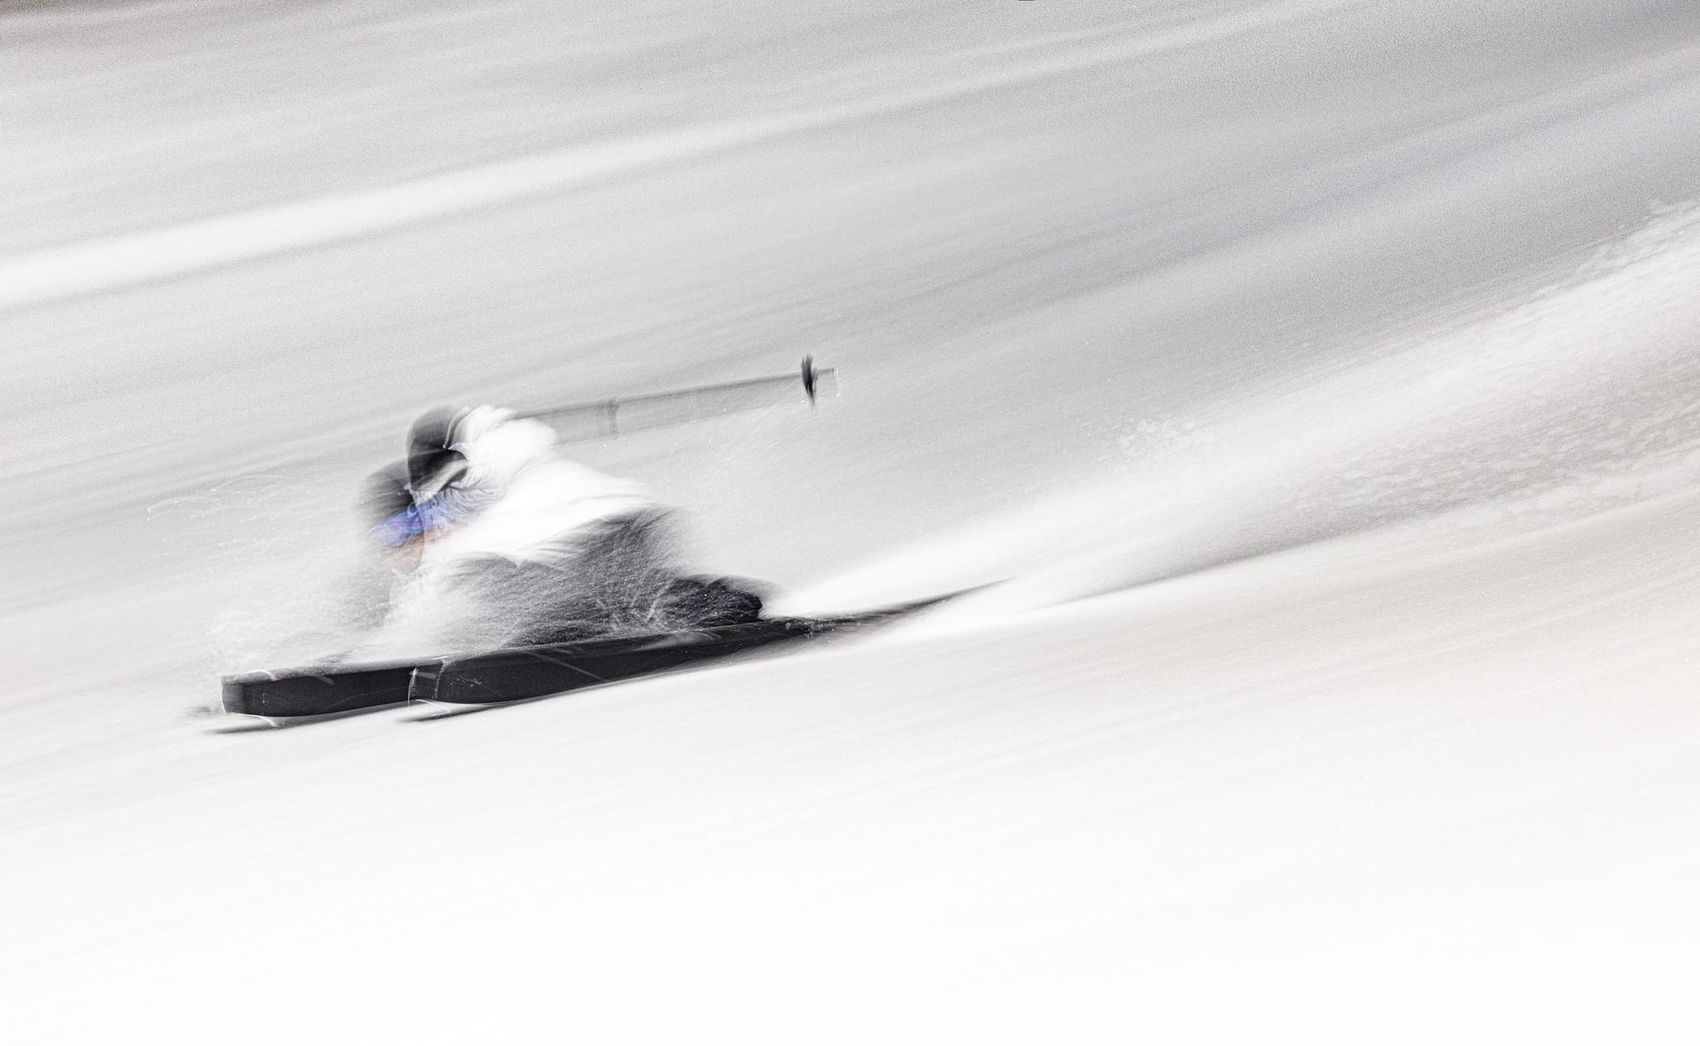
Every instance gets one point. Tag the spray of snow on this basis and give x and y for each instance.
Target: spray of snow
(1580, 400)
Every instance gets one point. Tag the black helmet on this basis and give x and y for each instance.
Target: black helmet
(431, 462)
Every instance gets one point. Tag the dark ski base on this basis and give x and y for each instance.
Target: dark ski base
(318, 691)
(517, 674)
(523, 673)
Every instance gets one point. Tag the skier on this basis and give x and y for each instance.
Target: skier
(496, 540)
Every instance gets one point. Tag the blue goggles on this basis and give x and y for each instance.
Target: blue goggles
(413, 521)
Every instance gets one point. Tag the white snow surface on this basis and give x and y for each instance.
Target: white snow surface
(1320, 379)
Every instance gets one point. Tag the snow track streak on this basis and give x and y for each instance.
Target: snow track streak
(132, 259)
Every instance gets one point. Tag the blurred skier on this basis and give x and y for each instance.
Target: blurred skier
(496, 540)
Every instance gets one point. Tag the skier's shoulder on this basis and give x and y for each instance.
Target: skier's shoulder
(495, 434)
(560, 479)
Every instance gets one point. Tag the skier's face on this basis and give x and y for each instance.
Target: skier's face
(409, 554)
(407, 534)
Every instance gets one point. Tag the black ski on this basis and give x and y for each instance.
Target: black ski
(523, 673)
(517, 674)
(319, 691)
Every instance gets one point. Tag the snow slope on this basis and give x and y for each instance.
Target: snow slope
(1321, 375)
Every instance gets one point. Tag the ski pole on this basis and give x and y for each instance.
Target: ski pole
(601, 419)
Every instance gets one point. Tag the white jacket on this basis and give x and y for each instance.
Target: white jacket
(519, 501)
